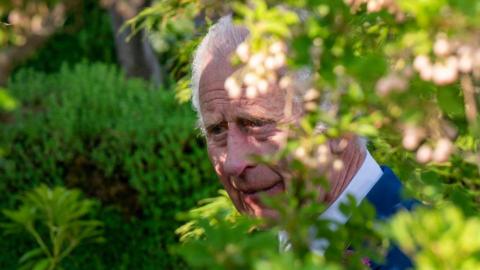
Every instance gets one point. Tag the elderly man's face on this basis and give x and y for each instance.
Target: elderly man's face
(237, 129)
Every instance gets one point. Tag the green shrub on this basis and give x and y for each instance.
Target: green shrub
(122, 141)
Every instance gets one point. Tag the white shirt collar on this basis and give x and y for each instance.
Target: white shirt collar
(362, 182)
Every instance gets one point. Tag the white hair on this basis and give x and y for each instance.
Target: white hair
(221, 40)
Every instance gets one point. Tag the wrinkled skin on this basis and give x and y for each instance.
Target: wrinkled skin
(239, 128)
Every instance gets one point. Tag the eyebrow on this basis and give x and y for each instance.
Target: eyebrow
(247, 116)
(242, 115)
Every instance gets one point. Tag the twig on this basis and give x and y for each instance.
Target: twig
(469, 98)
(39, 240)
(471, 111)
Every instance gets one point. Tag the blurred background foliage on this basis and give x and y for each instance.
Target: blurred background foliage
(91, 97)
(121, 141)
(71, 115)
(85, 36)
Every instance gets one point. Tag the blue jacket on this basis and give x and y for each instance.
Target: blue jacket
(386, 197)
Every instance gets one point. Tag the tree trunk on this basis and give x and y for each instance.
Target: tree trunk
(136, 55)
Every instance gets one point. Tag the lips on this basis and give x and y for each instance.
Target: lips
(255, 195)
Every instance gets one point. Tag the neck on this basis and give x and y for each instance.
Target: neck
(352, 157)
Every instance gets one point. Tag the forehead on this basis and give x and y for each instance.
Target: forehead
(216, 103)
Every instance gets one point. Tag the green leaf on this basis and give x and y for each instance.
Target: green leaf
(31, 254)
(24, 215)
(6, 101)
(451, 102)
(369, 68)
(42, 264)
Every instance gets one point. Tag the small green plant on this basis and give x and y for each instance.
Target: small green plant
(58, 221)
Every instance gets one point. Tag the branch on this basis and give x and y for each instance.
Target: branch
(471, 111)
(39, 240)
(469, 98)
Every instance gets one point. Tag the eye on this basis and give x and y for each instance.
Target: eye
(252, 123)
(217, 129)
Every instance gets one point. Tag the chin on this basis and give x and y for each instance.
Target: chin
(270, 214)
(260, 211)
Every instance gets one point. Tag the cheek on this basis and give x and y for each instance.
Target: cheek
(278, 142)
(217, 157)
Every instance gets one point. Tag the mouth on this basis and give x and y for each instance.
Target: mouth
(255, 195)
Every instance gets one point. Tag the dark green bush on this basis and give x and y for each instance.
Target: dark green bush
(121, 141)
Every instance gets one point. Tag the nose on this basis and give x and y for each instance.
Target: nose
(238, 152)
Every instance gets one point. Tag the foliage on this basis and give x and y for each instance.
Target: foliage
(220, 206)
(24, 18)
(214, 220)
(7, 103)
(173, 40)
(402, 73)
(57, 220)
(25, 26)
(122, 141)
(86, 35)
(173, 29)
(217, 237)
(443, 238)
